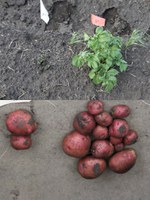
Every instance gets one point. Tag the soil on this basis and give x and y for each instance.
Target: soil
(36, 58)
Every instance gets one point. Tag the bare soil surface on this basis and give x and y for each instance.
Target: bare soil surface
(36, 59)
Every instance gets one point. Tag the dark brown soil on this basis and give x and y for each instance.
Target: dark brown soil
(36, 59)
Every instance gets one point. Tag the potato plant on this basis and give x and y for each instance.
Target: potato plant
(102, 53)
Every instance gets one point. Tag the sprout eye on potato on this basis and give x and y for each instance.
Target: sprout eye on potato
(100, 137)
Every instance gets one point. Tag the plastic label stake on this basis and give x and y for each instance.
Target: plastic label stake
(44, 12)
(98, 21)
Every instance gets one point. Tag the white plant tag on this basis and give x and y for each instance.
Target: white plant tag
(5, 102)
(44, 12)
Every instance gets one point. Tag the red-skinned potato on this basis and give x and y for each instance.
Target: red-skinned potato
(119, 147)
(95, 107)
(84, 123)
(90, 167)
(115, 141)
(100, 133)
(76, 144)
(102, 149)
(119, 128)
(20, 142)
(104, 119)
(131, 138)
(21, 123)
(123, 161)
(120, 111)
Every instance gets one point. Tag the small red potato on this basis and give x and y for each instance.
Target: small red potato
(76, 144)
(131, 138)
(20, 142)
(100, 133)
(120, 111)
(104, 119)
(115, 141)
(119, 147)
(21, 123)
(90, 167)
(84, 123)
(102, 149)
(119, 128)
(123, 161)
(95, 107)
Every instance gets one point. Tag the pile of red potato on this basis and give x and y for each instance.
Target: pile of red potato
(99, 138)
(21, 124)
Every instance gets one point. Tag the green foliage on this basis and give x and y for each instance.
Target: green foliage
(102, 54)
(75, 38)
(136, 38)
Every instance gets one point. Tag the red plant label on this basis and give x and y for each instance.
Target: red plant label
(98, 21)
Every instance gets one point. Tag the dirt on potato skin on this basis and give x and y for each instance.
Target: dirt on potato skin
(36, 59)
